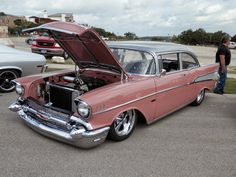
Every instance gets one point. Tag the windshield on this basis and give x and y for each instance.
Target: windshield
(135, 62)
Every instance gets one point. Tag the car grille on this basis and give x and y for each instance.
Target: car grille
(45, 44)
(48, 111)
(55, 113)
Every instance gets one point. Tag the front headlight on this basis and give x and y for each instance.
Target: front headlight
(19, 89)
(83, 109)
(57, 45)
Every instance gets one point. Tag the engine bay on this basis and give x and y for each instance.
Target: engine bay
(60, 92)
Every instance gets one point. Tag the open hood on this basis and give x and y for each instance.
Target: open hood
(83, 45)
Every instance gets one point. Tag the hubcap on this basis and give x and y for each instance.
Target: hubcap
(5, 80)
(200, 96)
(124, 123)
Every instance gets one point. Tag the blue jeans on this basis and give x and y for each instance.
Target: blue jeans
(221, 83)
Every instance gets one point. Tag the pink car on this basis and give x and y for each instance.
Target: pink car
(113, 86)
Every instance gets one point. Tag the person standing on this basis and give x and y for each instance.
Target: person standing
(223, 57)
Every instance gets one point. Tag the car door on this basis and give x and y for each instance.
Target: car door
(172, 88)
(189, 65)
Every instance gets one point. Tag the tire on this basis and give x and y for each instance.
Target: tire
(65, 56)
(123, 126)
(199, 99)
(6, 76)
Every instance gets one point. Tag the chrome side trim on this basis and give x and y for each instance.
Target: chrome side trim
(210, 76)
(141, 98)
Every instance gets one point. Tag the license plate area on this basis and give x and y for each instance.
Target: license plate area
(43, 51)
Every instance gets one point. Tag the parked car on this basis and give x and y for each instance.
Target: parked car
(15, 63)
(47, 46)
(232, 45)
(30, 39)
(112, 87)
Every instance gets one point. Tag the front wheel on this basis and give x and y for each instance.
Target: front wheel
(6, 76)
(199, 99)
(123, 125)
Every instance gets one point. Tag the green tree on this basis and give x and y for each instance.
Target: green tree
(199, 37)
(104, 33)
(18, 22)
(20, 25)
(216, 37)
(233, 38)
(130, 35)
(186, 37)
(2, 14)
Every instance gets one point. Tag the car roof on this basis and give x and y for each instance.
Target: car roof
(150, 46)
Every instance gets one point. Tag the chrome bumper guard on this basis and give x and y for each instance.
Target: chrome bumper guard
(81, 135)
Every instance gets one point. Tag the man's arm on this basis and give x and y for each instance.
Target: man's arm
(222, 63)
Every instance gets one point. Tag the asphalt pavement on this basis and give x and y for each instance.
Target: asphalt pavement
(192, 142)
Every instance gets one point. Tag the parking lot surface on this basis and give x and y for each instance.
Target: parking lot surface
(193, 142)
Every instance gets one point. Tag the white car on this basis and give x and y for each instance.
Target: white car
(15, 63)
(232, 45)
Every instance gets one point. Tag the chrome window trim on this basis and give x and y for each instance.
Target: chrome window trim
(178, 52)
(194, 58)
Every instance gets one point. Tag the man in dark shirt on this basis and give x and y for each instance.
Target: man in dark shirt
(223, 57)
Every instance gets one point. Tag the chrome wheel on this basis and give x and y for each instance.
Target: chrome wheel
(5, 80)
(199, 99)
(200, 96)
(123, 125)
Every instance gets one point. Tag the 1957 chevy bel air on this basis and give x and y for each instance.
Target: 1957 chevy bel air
(112, 87)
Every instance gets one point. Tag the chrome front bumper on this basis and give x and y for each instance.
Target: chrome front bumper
(81, 135)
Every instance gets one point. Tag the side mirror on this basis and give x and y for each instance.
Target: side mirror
(163, 72)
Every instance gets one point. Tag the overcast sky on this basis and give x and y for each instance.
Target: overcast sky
(143, 17)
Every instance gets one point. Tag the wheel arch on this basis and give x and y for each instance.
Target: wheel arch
(140, 115)
(15, 68)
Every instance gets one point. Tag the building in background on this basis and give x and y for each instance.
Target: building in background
(40, 20)
(64, 17)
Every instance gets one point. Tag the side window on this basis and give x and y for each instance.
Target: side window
(187, 61)
(170, 62)
(135, 62)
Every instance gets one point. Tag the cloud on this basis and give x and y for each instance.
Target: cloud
(144, 17)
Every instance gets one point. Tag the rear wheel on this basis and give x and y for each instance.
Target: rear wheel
(199, 99)
(6, 76)
(123, 125)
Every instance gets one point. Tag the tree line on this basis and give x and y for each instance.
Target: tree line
(200, 37)
(189, 37)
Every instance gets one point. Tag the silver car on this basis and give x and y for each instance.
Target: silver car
(15, 63)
